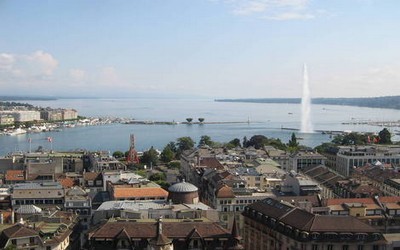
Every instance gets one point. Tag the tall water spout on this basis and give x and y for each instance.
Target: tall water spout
(306, 124)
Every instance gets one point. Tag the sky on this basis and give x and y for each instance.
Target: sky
(199, 48)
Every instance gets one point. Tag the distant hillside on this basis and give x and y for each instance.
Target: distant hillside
(26, 98)
(388, 102)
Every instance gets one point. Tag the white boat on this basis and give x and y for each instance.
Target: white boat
(18, 131)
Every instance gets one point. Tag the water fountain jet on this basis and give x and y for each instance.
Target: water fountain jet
(306, 124)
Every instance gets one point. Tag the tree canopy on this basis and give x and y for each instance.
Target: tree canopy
(118, 154)
(259, 141)
(206, 140)
(150, 157)
(385, 136)
(169, 152)
(185, 143)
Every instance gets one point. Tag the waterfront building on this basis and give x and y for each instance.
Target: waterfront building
(51, 115)
(271, 224)
(69, 114)
(350, 157)
(23, 115)
(6, 119)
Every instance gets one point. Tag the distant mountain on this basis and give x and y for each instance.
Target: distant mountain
(388, 102)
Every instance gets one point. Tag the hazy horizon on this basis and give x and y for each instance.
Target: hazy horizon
(199, 49)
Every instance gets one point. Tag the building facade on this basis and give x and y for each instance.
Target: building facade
(271, 224)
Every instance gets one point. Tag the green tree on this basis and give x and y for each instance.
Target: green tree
(245, 142)
(293, 141)
(118, 154)
(189, 120)
(257, 141)
(167, 154)
(174, 165)
(206, 140)
(233, 144)
(164, 184)
(201, 120)
(150, 157)
(185, 143)
(158, 177)
(328, 148)
(385, 136)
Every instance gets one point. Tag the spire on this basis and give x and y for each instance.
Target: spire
(234, 242)
(235, 230)
(160, 239)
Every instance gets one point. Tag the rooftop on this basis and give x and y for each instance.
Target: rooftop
(183, 187)
(130, 192)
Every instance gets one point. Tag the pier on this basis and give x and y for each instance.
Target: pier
(134, 122)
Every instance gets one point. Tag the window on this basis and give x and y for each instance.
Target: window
(31, 240)
(345, 247)
(360, 247)
(314, 247)
(329, 247)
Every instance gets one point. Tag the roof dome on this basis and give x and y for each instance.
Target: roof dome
(183, 187)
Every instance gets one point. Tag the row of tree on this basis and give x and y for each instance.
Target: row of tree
(173, 150)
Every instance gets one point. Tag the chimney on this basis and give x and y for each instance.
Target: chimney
(12, 217)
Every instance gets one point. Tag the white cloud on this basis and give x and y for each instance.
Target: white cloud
(251, 7)
(109, 75)
(77, 74)
(278, 10)
(6, 61)
(45, 62)
(291, 16)
(39, 64)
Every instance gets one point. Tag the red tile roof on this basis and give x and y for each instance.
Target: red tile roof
(225, 192)
(389, 199)
(15, 175)
(144, 192)
(67, 182)
(91, 176)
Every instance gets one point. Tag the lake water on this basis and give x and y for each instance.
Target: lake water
(265, 119)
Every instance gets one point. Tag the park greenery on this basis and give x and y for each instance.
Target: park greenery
(171, 153)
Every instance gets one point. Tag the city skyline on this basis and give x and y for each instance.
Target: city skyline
(204, 48)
